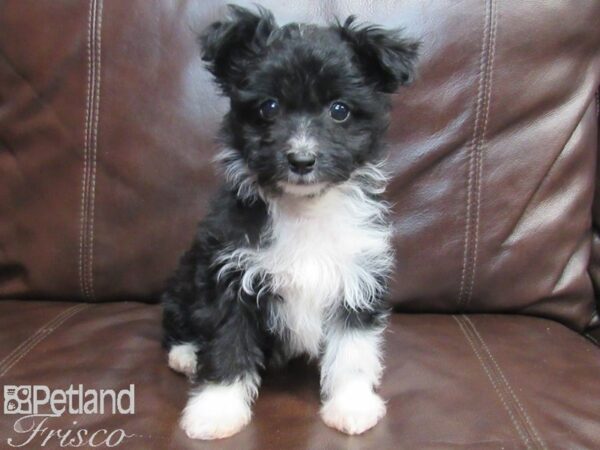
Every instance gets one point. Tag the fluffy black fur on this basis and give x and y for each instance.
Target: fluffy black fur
(305, 68)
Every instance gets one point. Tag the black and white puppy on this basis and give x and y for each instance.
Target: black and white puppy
(294, 254)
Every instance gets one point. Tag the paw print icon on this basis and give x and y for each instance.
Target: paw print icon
(17, 399)
(11, 406)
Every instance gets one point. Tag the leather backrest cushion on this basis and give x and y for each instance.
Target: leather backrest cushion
(107, 124)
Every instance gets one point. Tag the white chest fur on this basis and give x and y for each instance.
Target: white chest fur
(317, 253)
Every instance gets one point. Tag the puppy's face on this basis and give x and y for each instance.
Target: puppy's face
(308, 104)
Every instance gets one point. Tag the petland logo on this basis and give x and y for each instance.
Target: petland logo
(38, 405)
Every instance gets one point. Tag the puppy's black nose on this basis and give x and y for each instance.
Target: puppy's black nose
(301, 163)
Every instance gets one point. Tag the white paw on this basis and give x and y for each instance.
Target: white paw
(182, 358)
(216, 412)
(355, 413)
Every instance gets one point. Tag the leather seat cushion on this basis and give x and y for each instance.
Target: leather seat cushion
(480, 381)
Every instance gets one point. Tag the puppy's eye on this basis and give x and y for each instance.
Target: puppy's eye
(269, 109)
(339, 111)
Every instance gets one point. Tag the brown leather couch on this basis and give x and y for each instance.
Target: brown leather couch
(107, 120)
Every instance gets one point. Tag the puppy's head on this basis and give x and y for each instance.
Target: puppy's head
(309, 104)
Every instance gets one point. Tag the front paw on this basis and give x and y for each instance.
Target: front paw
(216, 412)
(353, 413)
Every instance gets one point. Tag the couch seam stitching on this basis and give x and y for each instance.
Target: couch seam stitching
(494, 381)
(17, 350)
(471, 156)
(98, 68)
(85, 177)
(479, 153)
(44, 335)
(532, 428)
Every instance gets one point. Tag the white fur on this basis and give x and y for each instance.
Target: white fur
(351, 354)
(350, 369)
(182, 358)
(353, 409)
(317, 252)
(217, 411)
(303, 190)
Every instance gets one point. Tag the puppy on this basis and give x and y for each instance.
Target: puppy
(294, 254)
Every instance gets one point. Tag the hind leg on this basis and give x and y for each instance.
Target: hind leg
(178, 338)
(182, 358)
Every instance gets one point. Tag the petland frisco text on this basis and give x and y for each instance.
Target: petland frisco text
(38, 405)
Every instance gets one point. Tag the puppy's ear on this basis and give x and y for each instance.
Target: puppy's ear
(229, 46)
(386, 58)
